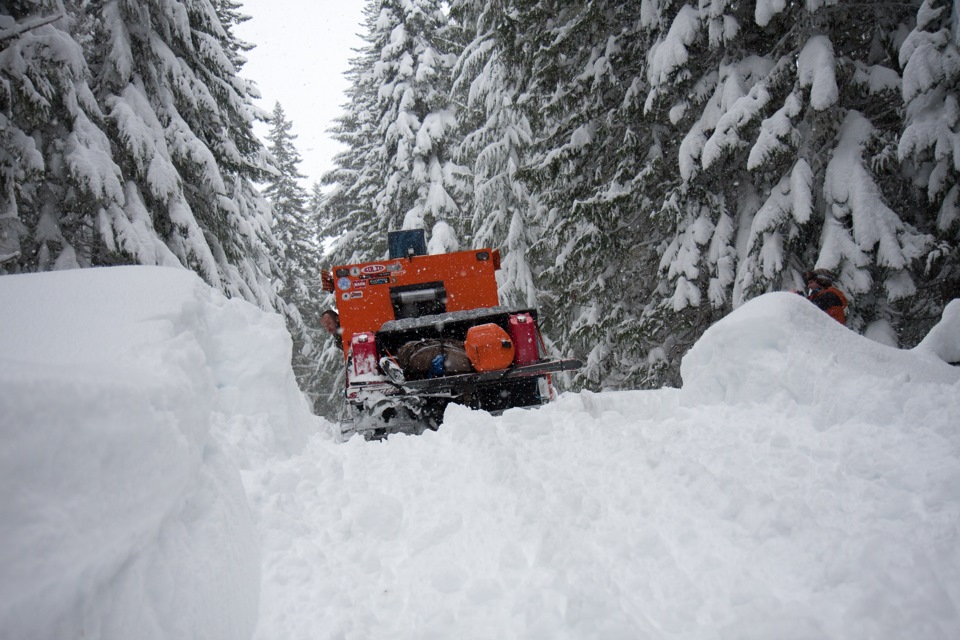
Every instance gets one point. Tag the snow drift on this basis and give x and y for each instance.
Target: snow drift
(120, 515)
(804, 483)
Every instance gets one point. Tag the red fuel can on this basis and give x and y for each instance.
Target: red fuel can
(364, 346)
(523, 332)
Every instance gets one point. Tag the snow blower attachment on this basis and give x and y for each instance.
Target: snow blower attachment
(421, 331)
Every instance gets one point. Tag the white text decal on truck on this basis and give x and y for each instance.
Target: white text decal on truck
(373, 268)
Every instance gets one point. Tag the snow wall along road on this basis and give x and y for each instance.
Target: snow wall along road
(121, 513)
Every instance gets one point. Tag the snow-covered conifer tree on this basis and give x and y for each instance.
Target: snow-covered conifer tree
(180, 119)
(930, 142)
(291, 224)
(348, 216)
(297, 254)
(497, 136)
(787, 120)
(128, 139)
(595, 154)
(561, 155)
(59, 185)
(417, 120)
(315, 202)
(403, 134)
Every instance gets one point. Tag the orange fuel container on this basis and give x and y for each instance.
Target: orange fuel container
(489, 347)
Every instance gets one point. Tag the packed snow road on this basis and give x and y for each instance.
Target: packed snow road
(163, 479)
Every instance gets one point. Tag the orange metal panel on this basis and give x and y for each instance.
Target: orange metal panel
(363, 290)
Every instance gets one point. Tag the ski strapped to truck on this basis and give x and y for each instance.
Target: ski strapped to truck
(467, 380)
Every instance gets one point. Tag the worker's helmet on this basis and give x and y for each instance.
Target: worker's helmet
(824, 277)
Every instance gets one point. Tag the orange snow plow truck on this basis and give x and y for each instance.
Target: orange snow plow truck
(421, 331)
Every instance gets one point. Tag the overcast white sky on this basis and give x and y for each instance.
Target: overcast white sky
(302, 50)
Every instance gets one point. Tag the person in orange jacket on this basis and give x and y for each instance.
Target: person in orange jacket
(822, 292)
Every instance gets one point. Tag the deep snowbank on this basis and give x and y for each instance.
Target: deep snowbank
(120, 515)
(782, 350)
(805, 483)
(943, 341)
